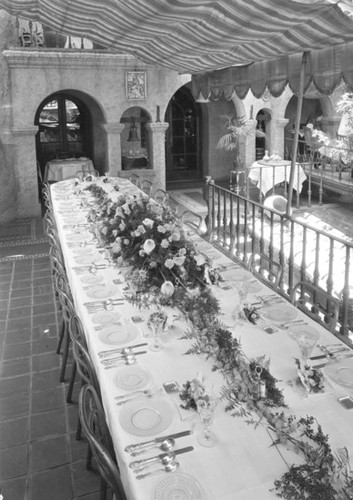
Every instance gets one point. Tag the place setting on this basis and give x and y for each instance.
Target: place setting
(118, 334)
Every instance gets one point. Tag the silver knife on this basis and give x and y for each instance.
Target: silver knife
(133, 447)
(106, 362)
(103, 354)
(136, 464)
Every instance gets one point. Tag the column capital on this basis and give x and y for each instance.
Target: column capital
(113, 127)
(157, 127)
(281, 122)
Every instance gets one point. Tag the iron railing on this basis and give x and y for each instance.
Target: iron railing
(240, 227)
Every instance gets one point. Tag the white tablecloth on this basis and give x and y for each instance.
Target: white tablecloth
(243, 465)
(269, 175)
(59, 170)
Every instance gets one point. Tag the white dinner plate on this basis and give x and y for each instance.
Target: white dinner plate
(146, 416)
(92, 279)
(106, 317)
(119, 334)
(87, 259)
(279, 313)
(341, 371)
(102, 292)
(178, 486)
(254, 287)
(84, 236)
(236, 275)
(83, 250)
(132, 378)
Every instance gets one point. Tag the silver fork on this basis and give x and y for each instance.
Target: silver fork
(149, 394)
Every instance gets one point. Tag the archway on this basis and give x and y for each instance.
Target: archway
(183, 137)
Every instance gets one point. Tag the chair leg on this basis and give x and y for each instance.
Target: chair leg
(78, 430)
(103, 490)
(65, 355)
(61, 336)
(71, 384)
(89, 458)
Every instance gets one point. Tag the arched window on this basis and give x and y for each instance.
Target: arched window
(64, 129)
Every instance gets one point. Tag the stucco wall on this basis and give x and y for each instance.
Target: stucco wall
(8, 190)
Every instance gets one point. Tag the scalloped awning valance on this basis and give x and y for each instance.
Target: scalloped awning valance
(197, 36)
(325, 69)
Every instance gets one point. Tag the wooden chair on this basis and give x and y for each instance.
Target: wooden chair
(146, 186)
(316, 303)
(161, 196)
(135, 179)
(67, 310)
(194, 221)
(266, 269)
(95, 428)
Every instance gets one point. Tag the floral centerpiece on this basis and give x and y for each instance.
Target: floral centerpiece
(192, 391)
(311, 378)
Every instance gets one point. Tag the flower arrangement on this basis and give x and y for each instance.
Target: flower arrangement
(168, 271)
(251, 314)
(311, 378)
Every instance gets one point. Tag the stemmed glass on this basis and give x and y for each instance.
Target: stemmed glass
(157, 322)
(206, 406)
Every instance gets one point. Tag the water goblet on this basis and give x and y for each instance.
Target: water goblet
(157, 322)
(206, 406)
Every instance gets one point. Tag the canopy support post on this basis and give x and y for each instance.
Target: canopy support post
(296, 131)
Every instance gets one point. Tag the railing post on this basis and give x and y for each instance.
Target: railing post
(210, 187)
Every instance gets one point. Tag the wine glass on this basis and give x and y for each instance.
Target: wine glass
(157, 324)
(205, 408)
(306, 339)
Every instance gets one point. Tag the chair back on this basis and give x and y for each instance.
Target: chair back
(266, 269)
(194, 221)
(82, 358)
(135, 179)
(65, 298)
(146, 186)
(316, 303)
(95, 428)
(161, 196)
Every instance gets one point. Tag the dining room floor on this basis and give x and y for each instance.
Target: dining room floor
(40, 458)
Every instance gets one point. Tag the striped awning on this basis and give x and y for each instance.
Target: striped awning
(195, 36)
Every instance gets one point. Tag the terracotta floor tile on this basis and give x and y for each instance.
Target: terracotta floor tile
(14, 351)
(50, 423)
(14, 367)
(13, 407)
(48, 453)
(44, 345)
(84, 481)
(51, 399)
(44, 319)
(21, 302)
(20, 312)
(43, 289)
(21, 292)
(54, 484)
(22, 284)
(44, 332)
(47, 379)
(14, 432)
(14, 462)
(18, 336)
(47, 361)
(46, 308)
(16, 386)
(14, 488)
(16, 324)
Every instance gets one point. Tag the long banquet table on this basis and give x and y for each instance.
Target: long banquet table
(244, 464)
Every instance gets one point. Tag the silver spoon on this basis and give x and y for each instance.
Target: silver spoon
(166, 445)
(168, 468)
(139, 465)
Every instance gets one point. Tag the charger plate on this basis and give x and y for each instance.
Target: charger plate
(341, 371)
(132, 378)
(107, 317)
(101, 292)
(279, 313)
(92, 279)
(86, 259)
(146, 416)
(118, 334)
(84, 236)
(178, 486)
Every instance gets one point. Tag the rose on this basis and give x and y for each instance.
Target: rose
(161, 229)
(122, 226)
(167, 288)
(164, 243)
(169, 263)
(116, 247)
(148, 222)
(179, 261)
(174, 237)
(199, 259)
(149, 246)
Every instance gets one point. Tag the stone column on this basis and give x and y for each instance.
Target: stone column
(330, 124)
(247, 145)
(113, 131)
(157, 151)
(28, 204)
(276, 140)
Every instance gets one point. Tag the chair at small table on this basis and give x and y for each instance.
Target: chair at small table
(316, 303)
(135, 179)
(267, 270)
(82, 174)
(194, 221)
(146, 186)
(160, 196)
(95, 428)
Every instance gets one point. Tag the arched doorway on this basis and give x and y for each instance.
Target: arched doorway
(261, 137)
(183, 137)
(64, 128)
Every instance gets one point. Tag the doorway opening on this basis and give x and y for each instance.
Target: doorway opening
(183, 138)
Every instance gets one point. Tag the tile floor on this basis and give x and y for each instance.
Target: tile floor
(40, 458)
